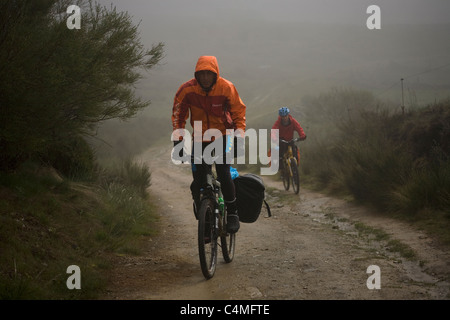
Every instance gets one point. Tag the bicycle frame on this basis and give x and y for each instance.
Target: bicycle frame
(290, 167)
(214, 186)
(288, 155)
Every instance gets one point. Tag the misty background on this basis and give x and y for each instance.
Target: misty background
(277, 53)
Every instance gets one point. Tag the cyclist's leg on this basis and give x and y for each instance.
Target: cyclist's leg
(229, 195)
(199, 172)
(283, 148)
(224, 176)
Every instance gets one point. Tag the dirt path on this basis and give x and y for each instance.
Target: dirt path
(309, 249)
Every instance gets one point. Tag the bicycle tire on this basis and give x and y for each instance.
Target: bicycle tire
(295, 176)
(228, 244)
(207, 248)
(286, 177)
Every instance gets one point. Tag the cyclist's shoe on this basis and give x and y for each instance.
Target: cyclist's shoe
(232, 217)
(233, 224)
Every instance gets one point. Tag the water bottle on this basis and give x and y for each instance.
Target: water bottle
(221, 205)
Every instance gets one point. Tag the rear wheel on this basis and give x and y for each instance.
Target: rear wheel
(207, 238)
(228, 243)
(295, 176)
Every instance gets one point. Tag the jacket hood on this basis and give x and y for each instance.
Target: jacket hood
(207, 63)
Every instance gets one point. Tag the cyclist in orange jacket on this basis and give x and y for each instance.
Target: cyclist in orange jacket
(215, 102)
(286, 124)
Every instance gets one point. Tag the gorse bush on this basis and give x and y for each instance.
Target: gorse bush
(57, 86)
(424, 187)
(372, 167)
(62, 83)
(74, 158)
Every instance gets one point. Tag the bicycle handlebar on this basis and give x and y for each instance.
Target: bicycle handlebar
(291, 141)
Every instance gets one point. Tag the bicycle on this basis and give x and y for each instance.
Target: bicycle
(290, 167)
(212, 221)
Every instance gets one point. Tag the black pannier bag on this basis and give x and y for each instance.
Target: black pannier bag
(250, 196)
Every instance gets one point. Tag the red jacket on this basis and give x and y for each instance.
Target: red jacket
(208, 107)
(287, 132)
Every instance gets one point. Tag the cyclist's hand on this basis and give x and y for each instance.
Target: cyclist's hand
(303, 139)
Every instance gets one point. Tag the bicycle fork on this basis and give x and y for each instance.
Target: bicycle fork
(287, 165)
(288, 159)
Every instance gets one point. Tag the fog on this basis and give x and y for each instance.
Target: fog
(309, 44)
(277, 52)
(317, 11)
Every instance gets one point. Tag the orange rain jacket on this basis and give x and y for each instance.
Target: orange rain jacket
(209, 107)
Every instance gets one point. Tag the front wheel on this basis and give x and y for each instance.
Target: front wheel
(207, 238)
(286, 176)
(295, 176)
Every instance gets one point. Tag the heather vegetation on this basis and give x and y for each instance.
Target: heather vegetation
(396, 162)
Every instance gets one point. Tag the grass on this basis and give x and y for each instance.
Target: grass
(380, 235)
(376, 234)
(48, 224)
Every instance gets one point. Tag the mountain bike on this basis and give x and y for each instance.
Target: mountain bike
(289, 167)
(212, 221)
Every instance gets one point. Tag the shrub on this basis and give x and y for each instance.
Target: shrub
(129, 174)
(392, 161)
(74, 158)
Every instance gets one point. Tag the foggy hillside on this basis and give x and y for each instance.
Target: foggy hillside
(276, 63)
(259, 55)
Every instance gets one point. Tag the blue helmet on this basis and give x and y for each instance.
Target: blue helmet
(283, 111)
